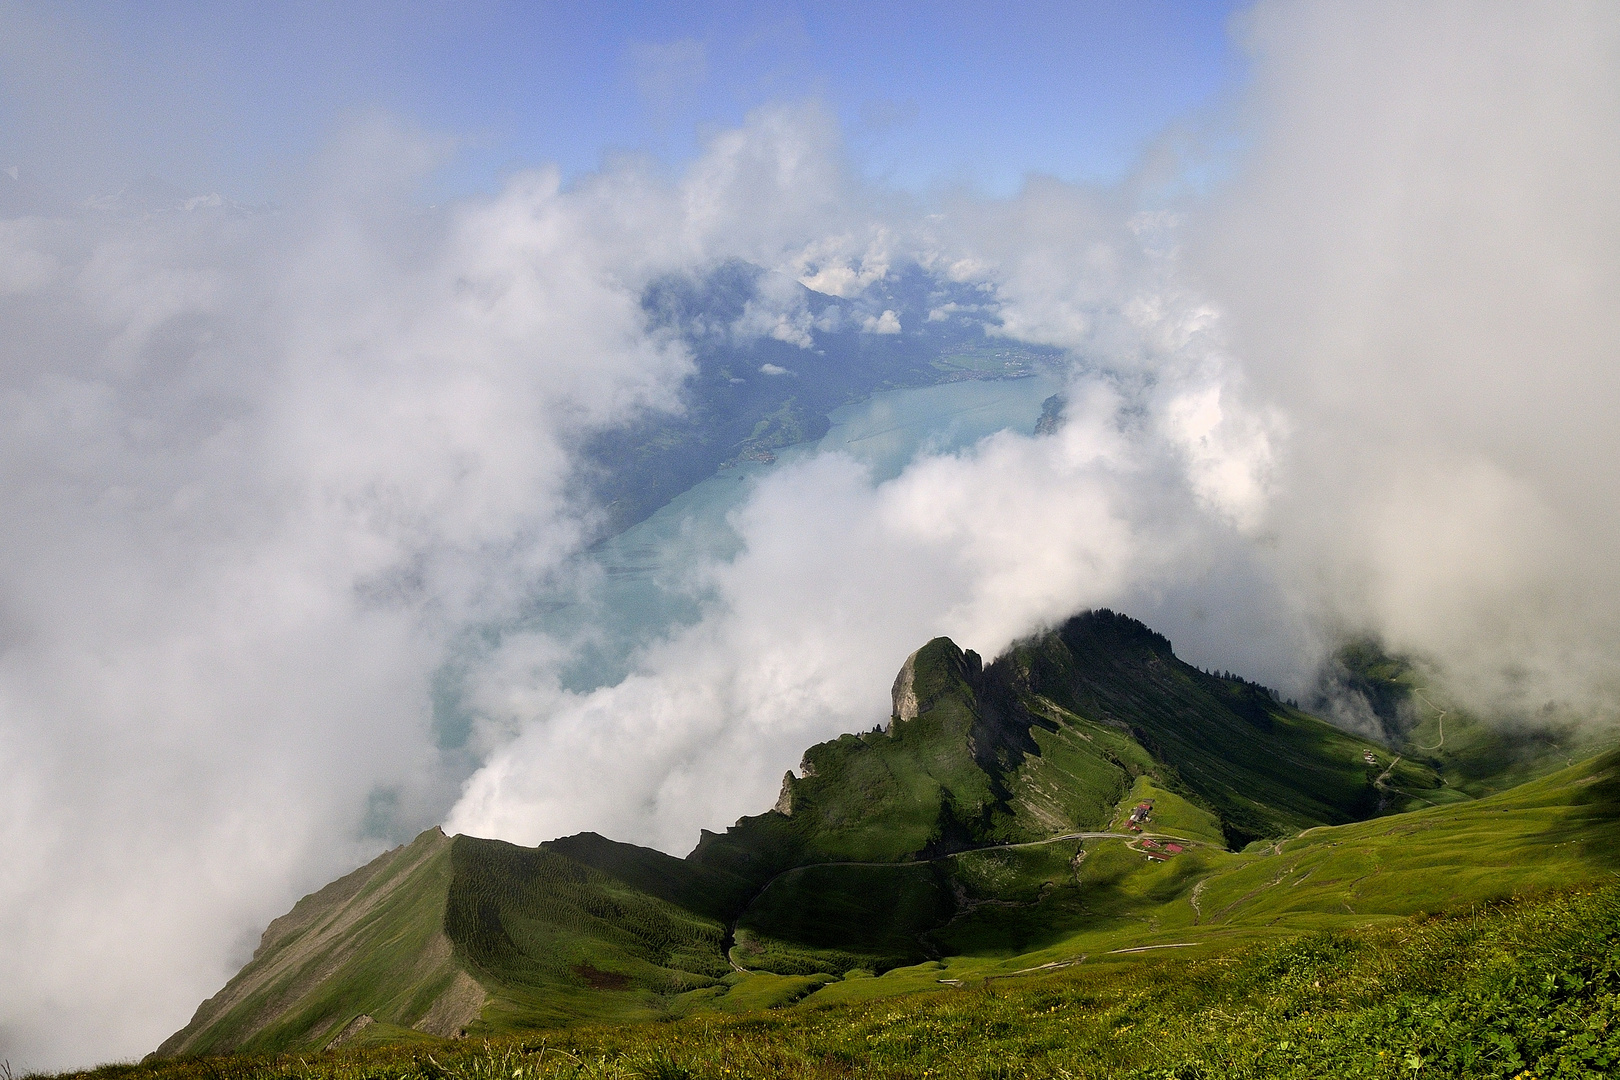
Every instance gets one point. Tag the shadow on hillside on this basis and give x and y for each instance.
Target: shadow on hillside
(1595, 813)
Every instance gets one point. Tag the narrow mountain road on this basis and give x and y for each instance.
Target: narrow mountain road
(1053, 966)
(980, 850)
(1056, 839)
(1098, 836)
(1381, 783)
(976, 851)
(995, 847)
(1441, 720)
(1386, 788)
(729, 941)
(1383, 788)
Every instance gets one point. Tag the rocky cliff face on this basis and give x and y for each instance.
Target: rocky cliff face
(904, 693)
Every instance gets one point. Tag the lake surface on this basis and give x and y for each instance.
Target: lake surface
(642, 584)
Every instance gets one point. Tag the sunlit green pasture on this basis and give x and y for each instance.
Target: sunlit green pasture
(1519, 989)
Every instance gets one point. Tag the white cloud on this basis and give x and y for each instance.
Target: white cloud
(777, 310)
(258, 470)
(839, 579)
(886, 323)
(27, 264)
(1381, 468)
(945, 311)
(1416, 265)
(773, 369)
(832, 265)
(254, 472)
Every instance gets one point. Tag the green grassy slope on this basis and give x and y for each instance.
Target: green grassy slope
(450, 932)
(1047, 739)
(834, 918)
(1023, 906)
(1266, 769)
(1518, 990)
(706, 891)
(985, 832)
(371, 942)
(1550, 833)
(1076, 773)
(557, 940)
(881, 796)
(1556, 833)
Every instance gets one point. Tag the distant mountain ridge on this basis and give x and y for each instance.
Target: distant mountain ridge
(986, 822)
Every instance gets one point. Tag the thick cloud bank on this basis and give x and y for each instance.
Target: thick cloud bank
(261, 468)
(1420, 260)
(257, 469)
(1415, 265)
(839, 579)
(1159, 467)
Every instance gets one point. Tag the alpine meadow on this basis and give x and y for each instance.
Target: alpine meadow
(770, 539)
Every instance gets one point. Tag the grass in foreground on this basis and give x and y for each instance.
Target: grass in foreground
(1527, 989)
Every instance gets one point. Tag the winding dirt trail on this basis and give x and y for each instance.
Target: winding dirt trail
(1441, 720)
(1382, 787)
(1197, 893)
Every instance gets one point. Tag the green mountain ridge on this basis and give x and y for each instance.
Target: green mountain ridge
(985, 831)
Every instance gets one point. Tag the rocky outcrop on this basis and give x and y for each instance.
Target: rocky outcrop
(784, 801)
(1052, 416)
(457, 1007)
(350, 1030)
(904, 693)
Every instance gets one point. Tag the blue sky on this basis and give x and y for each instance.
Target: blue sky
(233, 97)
